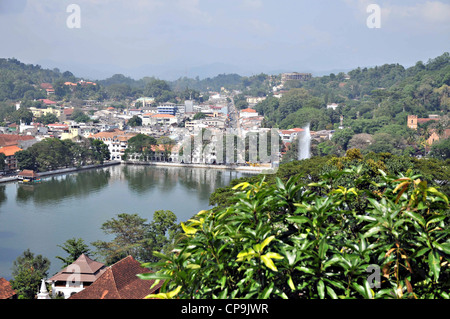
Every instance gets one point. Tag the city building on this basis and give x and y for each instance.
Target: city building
(74, 278)
(245, 113)
(10, 157)
(167, 108)
(287, 136)
(116, 140)
(414, 121)
(163, 119)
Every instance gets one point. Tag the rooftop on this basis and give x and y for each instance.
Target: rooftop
(120, 281)
(6, 290)
(10, 150)
(88, 269)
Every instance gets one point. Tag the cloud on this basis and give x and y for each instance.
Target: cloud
(261, 28)
(425, 15)
(251, 4)
(191, 10)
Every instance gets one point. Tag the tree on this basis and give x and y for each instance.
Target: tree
(163, 230)
(80, 117)
(140, 144)
(25, 160)
(133, 236)
(48, 118)
(341, 138)
(129, 235)
(2, 162)
(28, 270)
(360, 141)
(307, 241)
(100, 150)
(75, 248)
(135, 121)
(199, 116)
(22, 115)
(441, 149)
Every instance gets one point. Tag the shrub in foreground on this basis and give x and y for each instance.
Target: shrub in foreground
(290, 241)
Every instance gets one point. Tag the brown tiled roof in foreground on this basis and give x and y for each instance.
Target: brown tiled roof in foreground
(120, 281)
(6, 291)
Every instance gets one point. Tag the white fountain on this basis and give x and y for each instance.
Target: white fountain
(304, 143)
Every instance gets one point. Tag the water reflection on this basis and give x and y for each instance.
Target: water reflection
(54, 189)
(141, 180)
(2, 194)
(42, 216)
(201, 182)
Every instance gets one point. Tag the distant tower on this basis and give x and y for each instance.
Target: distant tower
(412, 122)
(341, 125)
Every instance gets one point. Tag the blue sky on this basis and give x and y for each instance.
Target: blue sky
(172, 38)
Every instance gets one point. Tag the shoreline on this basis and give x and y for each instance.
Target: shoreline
(15, 178)
(249, 169)
(245, 169)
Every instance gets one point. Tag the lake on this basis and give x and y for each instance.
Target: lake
(75, 205)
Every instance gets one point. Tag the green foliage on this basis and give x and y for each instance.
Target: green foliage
(134, 236)
(28, 270)
(53, 153)
(75, 247)
(199, 116)
(302, 240)
(140, 144)
(441, 150)
(80, 117)
(135, 121)
(48, 118)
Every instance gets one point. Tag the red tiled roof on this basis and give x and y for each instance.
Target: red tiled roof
(248, 111)
(163, 115)
(6, 290)
(46, 86)
(28, 173)
(10, 150)
(120, 281)
(424, 120)
(13, 139)
(47, 101)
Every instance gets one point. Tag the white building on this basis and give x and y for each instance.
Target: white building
(75, 277)
(116, 140)
(290, 135)
(246, 113)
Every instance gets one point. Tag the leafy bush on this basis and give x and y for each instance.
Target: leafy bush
(287, 240)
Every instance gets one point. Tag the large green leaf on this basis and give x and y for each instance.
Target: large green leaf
(435, 267)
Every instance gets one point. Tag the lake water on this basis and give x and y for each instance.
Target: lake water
(42, 216)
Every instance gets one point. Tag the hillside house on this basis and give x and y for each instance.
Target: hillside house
(76, 277)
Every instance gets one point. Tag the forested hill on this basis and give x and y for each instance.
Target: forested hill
(388, 93)
(21, 81)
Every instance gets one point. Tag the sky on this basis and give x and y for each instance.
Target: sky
(169, 39)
